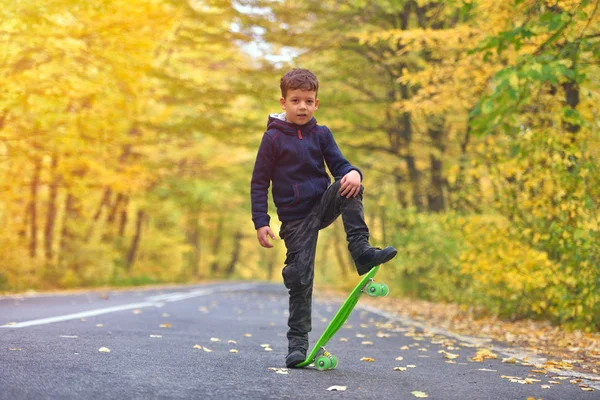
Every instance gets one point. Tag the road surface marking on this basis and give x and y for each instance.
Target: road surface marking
(152, 301)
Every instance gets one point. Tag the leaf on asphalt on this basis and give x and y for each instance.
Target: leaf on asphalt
(360, 335)
(554, 382)
(383, 335)
(231, 342)
(449, 356)
(15, 349)
(364, 326)
(247, 334)
(104, 350)
(483, 354)
(137, 311)
(99, 325)
(401, 369)
(343, 339)
(265, 345)
(411, 366)
(155, 336)
(203, 310)
(366, 342)
(558, 365)
(404, 348)
(510, 360)
(367, 359)
(214, 339)
(233, 351)
(337, 388)
(539, 371)
(167, 325)
(545, 386)
(282, 371)
(487, 370)
(587, 389)
(207, 350)
(197, 347)
(419, 394)
(509, 377)
(69, 337)
(399, 358)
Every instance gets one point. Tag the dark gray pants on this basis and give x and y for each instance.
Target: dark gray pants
(300, 239)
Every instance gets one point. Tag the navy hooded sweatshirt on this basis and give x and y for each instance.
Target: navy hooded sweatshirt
(293, 158)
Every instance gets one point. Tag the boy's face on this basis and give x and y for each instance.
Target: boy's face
(299, 105)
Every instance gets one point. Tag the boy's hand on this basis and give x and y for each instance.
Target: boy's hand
(263, 234)
(350, 184)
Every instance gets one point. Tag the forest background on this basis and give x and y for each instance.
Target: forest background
(128, 132)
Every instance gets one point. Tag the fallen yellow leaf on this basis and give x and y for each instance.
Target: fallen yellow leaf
(420, 395)
(337, 388)
(282, 371)
(367, 359)
(401, 369)
(104, 350)
(167, 325)
(483, 354)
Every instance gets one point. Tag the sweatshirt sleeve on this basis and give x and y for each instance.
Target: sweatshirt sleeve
(336, 162)
(261, 180)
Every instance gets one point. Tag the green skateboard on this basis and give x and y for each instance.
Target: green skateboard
(318, 356)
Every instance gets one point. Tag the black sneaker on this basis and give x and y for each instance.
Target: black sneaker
(374, 257)
(294, 357)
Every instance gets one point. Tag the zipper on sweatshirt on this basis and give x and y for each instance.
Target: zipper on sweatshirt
(299, 134)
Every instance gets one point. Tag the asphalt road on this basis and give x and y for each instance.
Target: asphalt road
(227, 341)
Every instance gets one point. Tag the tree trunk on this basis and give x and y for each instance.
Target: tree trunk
(192, 234)
(112, 215)
(66, 235)
(103, 203)
(33, 228)
(133, 250)
(123, 219)
(51, 215)
(214, 268)
(237, 244)
(435, 194)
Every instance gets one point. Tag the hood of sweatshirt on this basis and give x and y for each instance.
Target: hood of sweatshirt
(280, 122)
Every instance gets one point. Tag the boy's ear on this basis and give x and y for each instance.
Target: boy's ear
(316, 104)
(282, 103)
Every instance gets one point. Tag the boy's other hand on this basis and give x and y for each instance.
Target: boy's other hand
(263, 234)
(350, 184)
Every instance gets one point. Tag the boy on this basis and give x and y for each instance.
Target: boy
(292, 155)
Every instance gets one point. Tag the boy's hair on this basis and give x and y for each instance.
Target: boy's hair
(298, 78)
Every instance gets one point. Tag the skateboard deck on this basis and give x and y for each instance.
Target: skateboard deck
(318, 356)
